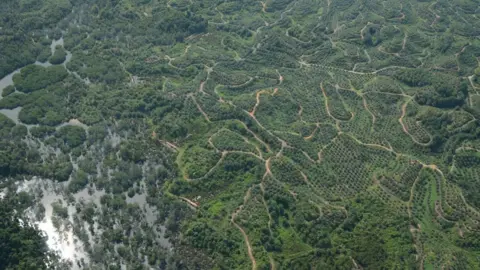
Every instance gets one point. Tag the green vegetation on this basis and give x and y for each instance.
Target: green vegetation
(58, 56)
(33, 77)
(8, 90)
(286, 134)
(21, 246)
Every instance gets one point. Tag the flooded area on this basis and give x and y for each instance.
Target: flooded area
(151, 217)
(57, 217)
(55, 43)
(12, 114)
(59, 231)
(8, 80)
(58, 214)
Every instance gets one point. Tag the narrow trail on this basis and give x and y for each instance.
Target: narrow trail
(245, 139)
(309, 137)
(432, 167)
(382, 50)
(257, 103)
(439, 211)
(252, 113)
(469, 206)
(326, 102)
(170, 59)
(287, 34)
(260, 155)
(374, 118)
(200, 108)
(362, 37)
(268, 171)
(392, 195)
(372, 145)
(417, 244)
(320, 153)
(224, 153)
(185, 51)
(246, 153)
(338, 28)
(357, 266)
(256, 137)
(169, 145)
(308, 157)
(272, 263)
(210, 142)
(305, 178)
(410, 201)
(165, 81)
(270, 219)
(220, 98)
(404, 112)
(264, 6)
(404, 43)
(266, 130)
(303, 63)
(388, 93)
(467, 148)
(337, 121)
(190, 202)
(200, 89)
(284, 145)
(241, 85)
(457, 55)
(437, 17)
(245, 236)
(404, 127)
(368, 56)
(470, 79)
(259, 152)
(280, 77)
(221, 16)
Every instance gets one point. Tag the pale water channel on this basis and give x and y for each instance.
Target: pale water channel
(13, 115)
(8, 80)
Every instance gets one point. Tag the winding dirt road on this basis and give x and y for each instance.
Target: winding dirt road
(245, 236)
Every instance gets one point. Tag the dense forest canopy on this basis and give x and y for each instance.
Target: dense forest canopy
(239, 134)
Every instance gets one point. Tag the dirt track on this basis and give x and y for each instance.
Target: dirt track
(245, 236)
